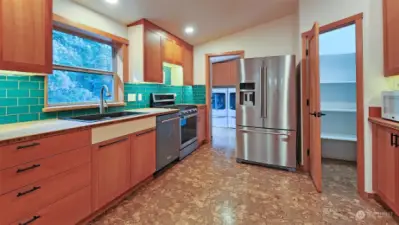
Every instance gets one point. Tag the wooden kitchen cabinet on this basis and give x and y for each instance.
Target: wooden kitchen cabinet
(201, 125)
(152, 57)
(172, 52)
(391, 37)
(26, 36)
(221, 74)
(111, 170)
(188, 69)
(143, 156)
(386, 165)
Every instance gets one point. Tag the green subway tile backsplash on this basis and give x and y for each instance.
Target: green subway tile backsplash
(22, 98)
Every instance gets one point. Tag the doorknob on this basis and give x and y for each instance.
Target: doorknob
(317, 114)
(313, 114)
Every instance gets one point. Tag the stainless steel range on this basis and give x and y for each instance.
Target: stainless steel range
(188, 121)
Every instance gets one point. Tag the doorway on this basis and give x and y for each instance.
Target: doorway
(336, 91)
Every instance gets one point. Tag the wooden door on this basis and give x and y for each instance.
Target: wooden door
(233, 72)
(221, 74)
(111, 170)
(188, 78)
(168, 49)
(152, 57)
(387, 176)
(201, 131)
(391, 37)
(315, 130)
(26, 36)
(143, 156)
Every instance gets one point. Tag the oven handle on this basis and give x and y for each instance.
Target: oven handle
(272, 133)
(168, 120)
(189, 116)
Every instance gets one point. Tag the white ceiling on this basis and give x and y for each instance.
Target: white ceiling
(210, 18)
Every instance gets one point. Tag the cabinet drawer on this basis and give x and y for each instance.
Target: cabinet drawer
(19, 176)
(29, 199)
(17, 154)
(67, 211)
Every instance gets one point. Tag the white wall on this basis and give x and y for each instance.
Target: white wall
(80, 14)
(278, 37)
(327, 11)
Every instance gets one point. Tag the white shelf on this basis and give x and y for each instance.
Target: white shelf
(338, 110)
(339, 137)
(338, 82)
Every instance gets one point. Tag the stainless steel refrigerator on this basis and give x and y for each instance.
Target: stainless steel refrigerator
(266, 108)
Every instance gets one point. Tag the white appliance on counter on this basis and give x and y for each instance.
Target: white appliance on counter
(390, 105)
(224, 107)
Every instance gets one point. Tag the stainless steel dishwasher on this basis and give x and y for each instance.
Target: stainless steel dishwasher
(168, 139)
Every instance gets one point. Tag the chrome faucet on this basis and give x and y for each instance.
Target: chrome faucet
(102, 100)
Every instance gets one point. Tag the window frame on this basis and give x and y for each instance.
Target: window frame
(119, 47)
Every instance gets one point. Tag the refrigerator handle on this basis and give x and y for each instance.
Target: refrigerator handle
(261, 91)
(264, 95)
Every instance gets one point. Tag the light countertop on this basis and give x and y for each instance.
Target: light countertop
(384, 122)
(17, 132)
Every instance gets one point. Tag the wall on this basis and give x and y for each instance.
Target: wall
(278, 37)
(326, 11)
(81, 14)
(22, 98)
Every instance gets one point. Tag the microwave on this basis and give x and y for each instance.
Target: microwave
(390, 105)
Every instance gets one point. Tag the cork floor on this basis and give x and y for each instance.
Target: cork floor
(209, 187)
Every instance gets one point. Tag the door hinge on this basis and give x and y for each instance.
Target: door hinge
(308, 152)
(307, 52)
(307, 102)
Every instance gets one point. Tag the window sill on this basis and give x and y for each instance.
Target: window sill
(76, 107)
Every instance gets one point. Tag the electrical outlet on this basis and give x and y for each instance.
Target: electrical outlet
(131, 97)
(140, 97)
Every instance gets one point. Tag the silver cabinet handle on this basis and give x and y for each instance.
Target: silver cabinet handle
(114, 142)
(145, 132)
(272, 133)
(168, 120)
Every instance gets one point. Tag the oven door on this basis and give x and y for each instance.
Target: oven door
(188, 126)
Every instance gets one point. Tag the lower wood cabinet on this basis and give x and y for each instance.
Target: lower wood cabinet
(386, 165)
(111, 170)
(201, 125)
(143, 155)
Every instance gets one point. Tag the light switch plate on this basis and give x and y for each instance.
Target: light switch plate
(131, 97)
(140, 97)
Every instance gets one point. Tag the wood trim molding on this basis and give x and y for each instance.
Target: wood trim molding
(375, 111)
(64, 23)
(208, 86)
(305, 108)
(358, 21)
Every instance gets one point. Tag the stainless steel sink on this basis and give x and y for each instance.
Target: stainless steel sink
(101, 117)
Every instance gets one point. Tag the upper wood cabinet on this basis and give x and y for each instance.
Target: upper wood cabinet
(224, 73)
(171, 52)
(26, 36)
(152, 57)
(391, 37)
(188, 70)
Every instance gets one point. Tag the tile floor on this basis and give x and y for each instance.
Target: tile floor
(209, 187)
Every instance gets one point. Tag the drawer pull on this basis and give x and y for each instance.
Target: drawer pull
(27, 146)
(27, 192)
(30, 221)
(112, 143)
(145, 132)
(28, 168)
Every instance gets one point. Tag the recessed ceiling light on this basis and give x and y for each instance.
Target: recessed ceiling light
(189, 30)
(112, 1)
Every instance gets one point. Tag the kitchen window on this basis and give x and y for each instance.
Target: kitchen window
(81, 66)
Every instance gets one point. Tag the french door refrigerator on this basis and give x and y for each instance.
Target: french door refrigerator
(266, 111)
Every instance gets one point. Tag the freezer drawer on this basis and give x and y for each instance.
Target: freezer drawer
(267, 146)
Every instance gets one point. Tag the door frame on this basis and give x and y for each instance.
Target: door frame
(358, 21)
(208, 85)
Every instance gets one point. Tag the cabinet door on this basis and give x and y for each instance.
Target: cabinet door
(391, 37)
(26, 36)
(233, 72)
(168, 49)
(143, 156)
(111, 170)
(152, 57)
(386, 167)
(201, 132)
(178, 54)
(188, 77)
(221, 74)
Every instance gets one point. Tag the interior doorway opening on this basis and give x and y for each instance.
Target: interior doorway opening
(337, 60)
